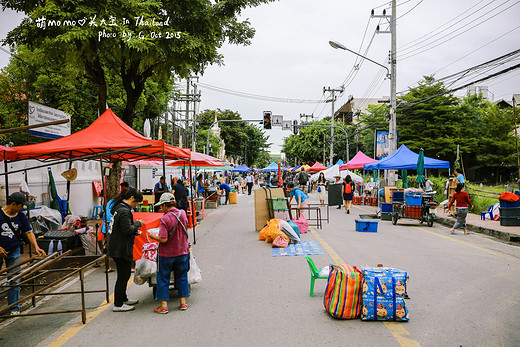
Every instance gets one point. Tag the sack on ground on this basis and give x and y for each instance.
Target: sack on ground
(274, 232)
(280, 242)
(342, 297)
(144, 268)
(295, 227)
(384, 289)
(194, 273)
(302, 223)
(288, 231)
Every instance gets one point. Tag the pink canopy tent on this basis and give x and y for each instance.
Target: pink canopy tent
(358, 162)
(317, 167)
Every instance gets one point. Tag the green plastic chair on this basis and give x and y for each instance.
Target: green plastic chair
(315, 274)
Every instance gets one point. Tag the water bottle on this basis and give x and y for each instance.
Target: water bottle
(59, 246)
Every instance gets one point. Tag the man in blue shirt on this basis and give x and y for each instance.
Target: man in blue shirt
(158, 190)
(13, 224)
(223, 186)
(299, 196)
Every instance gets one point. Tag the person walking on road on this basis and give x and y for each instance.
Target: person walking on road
(174, 253)
(121, 234)
(463, 201)
(322, 184)
(348, 193)
(249, 181)
(181, 195)
(14, 224)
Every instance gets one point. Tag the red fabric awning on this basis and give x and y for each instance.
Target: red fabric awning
(358, 162)
(317, 167)
(107, 133)
(7, 153)
(197, 160)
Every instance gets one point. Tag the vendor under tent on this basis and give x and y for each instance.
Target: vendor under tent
(241, 168)
(334, 171)
(358, 162)
(316, 167)
(107, 139)
(405, 159)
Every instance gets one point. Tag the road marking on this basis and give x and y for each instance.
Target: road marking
(69, 333)
(466, 243)
(396, 329)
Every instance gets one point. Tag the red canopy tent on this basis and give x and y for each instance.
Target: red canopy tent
(316, 167)
(358, 162)
(198, 159)
(107, 133)
(7, 153)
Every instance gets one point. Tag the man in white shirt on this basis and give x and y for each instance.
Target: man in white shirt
(249, 181)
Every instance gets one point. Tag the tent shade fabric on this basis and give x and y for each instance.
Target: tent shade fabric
(317, 167)
(358, 162)
(107, 133)
(404, 159)
(7, 153)
(241, 168)
(198, 160)
(273, 167)
(333, 171)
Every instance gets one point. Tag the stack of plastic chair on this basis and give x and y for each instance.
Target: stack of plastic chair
(145, 207)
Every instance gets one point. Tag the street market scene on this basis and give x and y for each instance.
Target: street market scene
(152, 192)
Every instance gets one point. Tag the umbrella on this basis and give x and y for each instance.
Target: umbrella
(420, 167)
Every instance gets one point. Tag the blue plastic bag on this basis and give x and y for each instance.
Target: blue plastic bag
(294, 226)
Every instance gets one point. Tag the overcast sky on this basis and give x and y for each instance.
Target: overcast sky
(290, 57)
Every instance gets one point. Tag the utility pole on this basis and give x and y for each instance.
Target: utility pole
(332, 92)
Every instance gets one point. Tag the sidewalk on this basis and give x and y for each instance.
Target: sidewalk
(488, 227)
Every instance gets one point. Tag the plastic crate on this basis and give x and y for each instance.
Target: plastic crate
(510, 212)
(386, 207)
(356, 200)
(279, 204)
(509, 204)
(413, 200)
(412, 211)
(366, 225)
(397, 196)
(373, 200)
(509, 221)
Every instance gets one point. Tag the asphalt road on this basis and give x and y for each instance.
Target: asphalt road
(463, 292)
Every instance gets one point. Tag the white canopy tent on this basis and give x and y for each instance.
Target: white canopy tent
(334, 171)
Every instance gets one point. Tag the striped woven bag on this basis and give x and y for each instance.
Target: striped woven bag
(342, 297)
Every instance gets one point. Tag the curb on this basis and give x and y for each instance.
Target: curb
(502, 235)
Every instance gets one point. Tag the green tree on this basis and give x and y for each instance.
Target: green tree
(242, 140)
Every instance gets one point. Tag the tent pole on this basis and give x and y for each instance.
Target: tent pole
(68, 184)
(6, 179)
(192, 206)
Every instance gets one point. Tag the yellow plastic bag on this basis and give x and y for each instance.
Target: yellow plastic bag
(265, 231)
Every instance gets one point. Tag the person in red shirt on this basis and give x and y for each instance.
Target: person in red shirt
(463, 201)
(174, 253)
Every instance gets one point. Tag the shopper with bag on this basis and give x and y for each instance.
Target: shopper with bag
(174, 253)
(121, 234)
(322, 186)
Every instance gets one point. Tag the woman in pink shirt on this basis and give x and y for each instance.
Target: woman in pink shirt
(463, 201)
(174, 253)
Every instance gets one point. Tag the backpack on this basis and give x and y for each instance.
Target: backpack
(303, 178)
(348, 188)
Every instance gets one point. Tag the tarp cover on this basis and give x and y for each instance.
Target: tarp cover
(358, 162)
(107, 133)
(404, 159)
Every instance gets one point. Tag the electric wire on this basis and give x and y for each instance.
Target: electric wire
(416, 52)
(410, 10)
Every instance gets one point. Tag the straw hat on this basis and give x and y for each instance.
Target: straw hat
(70, 175)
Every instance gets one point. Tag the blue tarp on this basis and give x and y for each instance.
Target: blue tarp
(241, 168)
(404, 159)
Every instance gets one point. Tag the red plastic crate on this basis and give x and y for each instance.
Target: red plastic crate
(366, 200)
(373, 201)
(412, 211)
(356, 200)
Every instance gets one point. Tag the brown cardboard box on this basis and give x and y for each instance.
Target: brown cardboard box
(261, 210)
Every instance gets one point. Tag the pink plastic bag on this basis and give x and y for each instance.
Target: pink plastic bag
(280, 242)
(303, 225)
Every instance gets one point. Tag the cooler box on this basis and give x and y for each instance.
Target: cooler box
(366, 225)
(232, 197)
(509, 204)
(413, 200)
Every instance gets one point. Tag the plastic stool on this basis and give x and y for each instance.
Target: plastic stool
(145, 208)
(96, 211)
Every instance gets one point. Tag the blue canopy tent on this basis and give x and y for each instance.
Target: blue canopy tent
(241, 168)
(340, 162)
(273, 167)
(405, 159)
